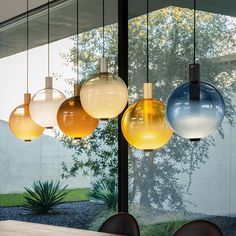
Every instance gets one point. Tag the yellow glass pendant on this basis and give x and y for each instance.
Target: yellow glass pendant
(73, 120)
(21, 123)
(144, 124)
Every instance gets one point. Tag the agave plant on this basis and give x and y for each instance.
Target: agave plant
(44, 196)
(106, 192)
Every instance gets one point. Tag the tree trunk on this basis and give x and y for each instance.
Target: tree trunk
(148, 182)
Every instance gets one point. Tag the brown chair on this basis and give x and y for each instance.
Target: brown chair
(199, 228)
(121, 223)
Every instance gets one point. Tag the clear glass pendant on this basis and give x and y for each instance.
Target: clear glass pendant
(45, 104)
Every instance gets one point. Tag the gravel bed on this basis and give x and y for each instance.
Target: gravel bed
(226, 224)
(81, 214)
(73, 214)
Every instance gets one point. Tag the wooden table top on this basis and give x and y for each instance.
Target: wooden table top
(18, 228)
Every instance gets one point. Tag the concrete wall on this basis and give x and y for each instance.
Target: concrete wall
(213, 188)
(22, 163)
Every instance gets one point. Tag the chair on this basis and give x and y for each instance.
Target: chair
(121, 223)
(199, 228)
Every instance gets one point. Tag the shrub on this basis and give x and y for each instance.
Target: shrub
(101, 216)
(44, 196)
(105, 191)
(161, 229)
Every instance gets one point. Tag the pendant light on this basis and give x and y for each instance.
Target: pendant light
(104, 95)
(72, 119)
(144, 124)
(45, 103)
(195, 109)
(20, 122)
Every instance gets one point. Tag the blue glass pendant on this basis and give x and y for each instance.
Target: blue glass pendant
(195, 109)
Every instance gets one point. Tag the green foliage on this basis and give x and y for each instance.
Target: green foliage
(150, 222)
(101, 216)
(96, 154)
(105, 191)
(44, 196)
(162, 229)
(155, 222)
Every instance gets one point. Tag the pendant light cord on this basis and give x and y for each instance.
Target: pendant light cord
(194, 33)
(27, 45)
(103, 27)
(48, 39)
(147, 41)
(77, 43)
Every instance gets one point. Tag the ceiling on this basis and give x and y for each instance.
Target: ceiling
(63, 18)
(13, 8)
(62, 23)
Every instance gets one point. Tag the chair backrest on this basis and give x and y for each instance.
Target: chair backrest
(199, 228)
(121, 223)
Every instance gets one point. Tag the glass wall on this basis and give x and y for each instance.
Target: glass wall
(184, 180)
(88, 167)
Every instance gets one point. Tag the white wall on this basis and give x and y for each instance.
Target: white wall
(22, 163)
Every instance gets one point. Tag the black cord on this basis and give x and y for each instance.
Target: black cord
(194, 33)
(147, 41)
(77, 41)
(48, 39)
(103, 27)
(27, 42)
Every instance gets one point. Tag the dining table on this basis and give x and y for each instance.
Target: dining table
(19, 228)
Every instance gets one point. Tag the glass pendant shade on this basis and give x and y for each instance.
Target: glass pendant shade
(73, 120)
(144, 124)
(105, 95)
(195, 119)
(21, 123)
(45, 104)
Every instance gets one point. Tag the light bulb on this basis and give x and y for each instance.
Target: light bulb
(144, 124)
(105, 95)
(21, 123)
(45, 104)
(195, 119)
(73, 120)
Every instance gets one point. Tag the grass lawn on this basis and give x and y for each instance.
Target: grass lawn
(18, 198)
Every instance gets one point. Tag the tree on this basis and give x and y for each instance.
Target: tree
(154, 175)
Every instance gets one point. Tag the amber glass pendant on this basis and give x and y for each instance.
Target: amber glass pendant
(73, 120)
(21, 123)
